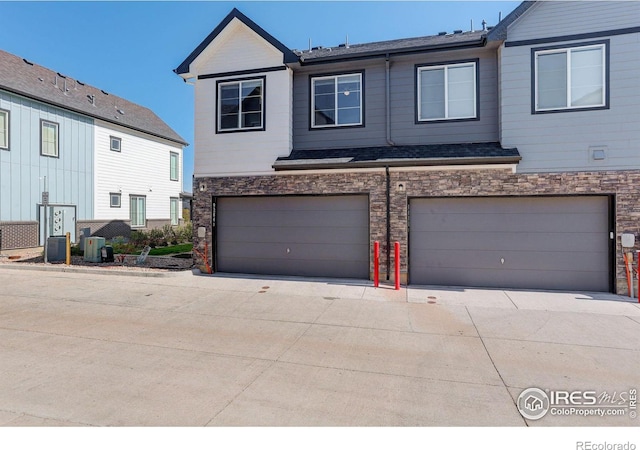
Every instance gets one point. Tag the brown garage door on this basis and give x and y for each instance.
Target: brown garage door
(517, 242)
(319, 236)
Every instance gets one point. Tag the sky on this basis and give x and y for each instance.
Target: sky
(131, 48)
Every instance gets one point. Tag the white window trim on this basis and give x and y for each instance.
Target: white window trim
(57, 136)
(112, 195)
(446, 91)
(177, 157)
(177, 210)
(219, 106)
(568, 51)
(114, 138)
(335, 81)
(144, 224)
(6, 114)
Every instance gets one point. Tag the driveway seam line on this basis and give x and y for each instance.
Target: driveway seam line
(504, 384)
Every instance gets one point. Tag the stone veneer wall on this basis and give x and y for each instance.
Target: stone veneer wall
(427, 183)
(15, 235)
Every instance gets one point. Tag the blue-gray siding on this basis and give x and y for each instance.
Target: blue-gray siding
(565, 141)
(404, 130)
(22, 168)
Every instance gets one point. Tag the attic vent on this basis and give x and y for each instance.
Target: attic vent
(105, 93)
(457, 31)
(60, 75)
(442, 33)
(27, 62)
(92, 99)
(119, 111)
(80, 83)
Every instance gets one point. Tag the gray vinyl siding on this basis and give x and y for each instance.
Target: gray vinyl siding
(404, 130)
(556, 18)
(22, 168)
(563, 141)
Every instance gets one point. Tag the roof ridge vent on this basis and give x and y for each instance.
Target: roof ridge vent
(457, 31)
(442, 33)
(104, 92)
(27, 62)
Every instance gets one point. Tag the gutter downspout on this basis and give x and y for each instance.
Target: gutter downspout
(387, 102)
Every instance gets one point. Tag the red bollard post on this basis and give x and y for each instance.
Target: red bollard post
(376, 264)
(397, 261)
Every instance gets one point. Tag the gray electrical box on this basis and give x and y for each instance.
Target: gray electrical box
(57, 248)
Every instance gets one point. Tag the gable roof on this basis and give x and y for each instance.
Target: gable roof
(499, 32)
(288, 55)
(22, 77)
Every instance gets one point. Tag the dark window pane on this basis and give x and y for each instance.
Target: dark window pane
(324, 86)
(325, 117)
(252, 104)
(348, 116)
(252, 120)
(349, 100)
(229, 91)
(229, 121)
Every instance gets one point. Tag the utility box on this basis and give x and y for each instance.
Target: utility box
(84, 234)
(57, 248)
(106, 254)
(92, 246)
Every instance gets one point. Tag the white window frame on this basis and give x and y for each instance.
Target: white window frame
(136, 223)
(174, 208)
(113, 139)
(112, 196)
(4, 143)
(446, 68)
(568, 51)
(56, 126)
(173, 156)
(221, 84)
(336, 93)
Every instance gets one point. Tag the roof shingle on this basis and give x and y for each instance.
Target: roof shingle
(25, 78)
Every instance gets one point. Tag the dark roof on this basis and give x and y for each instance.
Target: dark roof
(25, 78)
(409, 45)
(399, 155)
(499, 32)
(288, 55)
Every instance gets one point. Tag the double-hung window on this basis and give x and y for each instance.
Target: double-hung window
(4, 129)
(336, 100)
(49, 138)
(174, 204)
(570, 78)
(137, 211)
(241, 105)
(174, 166)
(447, 92)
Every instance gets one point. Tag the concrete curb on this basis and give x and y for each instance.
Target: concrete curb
(71, 269)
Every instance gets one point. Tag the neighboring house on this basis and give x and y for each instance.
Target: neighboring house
(110, 164)
(505, 157)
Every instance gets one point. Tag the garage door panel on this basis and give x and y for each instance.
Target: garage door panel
(518, 279)
(301, 268)
(295, 203)
(278, 252)
(511, 205)
(346, 235)
(498, 240)
(324, 236)
(310, 218)
(477, 222)
(545, 242)
(513, 260)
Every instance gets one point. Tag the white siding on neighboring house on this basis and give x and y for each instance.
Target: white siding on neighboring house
(238, 48)
(565, 141)
(141, 167)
